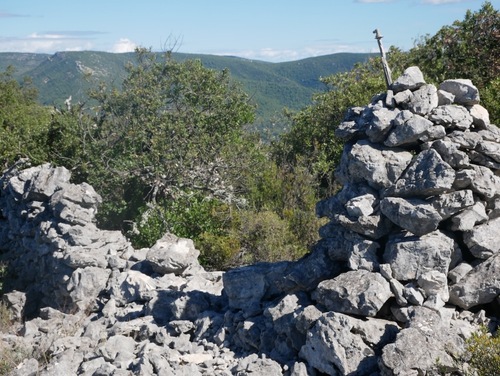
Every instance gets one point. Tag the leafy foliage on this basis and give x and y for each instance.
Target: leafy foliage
(484, 351)
(311, 141)
(23, 123)
(466, 49)
(168, 131)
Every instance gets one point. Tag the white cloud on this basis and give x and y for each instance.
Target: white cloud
(44, 43)
(280, 55)
(373, 1)
(438, 2)
(123, 45)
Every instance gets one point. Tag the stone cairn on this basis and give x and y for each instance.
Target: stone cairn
(406, 269)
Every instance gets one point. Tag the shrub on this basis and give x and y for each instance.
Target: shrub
(484, 350)
(267, 237)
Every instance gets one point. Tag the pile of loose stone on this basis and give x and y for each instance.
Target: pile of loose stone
(406, 269)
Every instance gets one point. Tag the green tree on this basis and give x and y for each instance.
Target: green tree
(23, 122)
(310, 141)
(466, 49)
(172, 128)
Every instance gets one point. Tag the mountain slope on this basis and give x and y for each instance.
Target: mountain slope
(272, 86)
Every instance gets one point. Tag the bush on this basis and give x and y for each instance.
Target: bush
(484, 350)
(218, 252)
(267, 237)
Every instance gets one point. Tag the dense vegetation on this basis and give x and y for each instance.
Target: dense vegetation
(271, 86)
(169, 148)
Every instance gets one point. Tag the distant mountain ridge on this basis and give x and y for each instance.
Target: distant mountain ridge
(272, 86)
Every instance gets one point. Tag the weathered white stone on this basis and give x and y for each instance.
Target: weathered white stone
(411, 79)
(411, 256)
(427, 175)
(381, 123)
(457, 273)
(479, 286)
(469, 217)
(434, 283)
(406, 357)
(448, 204)
(407, 130)
(361, 205)
(445, 98)
(171, 254)
(340, 345)
(464, 91)
(480, 116)
(451, 116)
(357, 292)
(415, 215)
(379, 167)
(450, 153)
(423, 100)
(485, 182)
(483, 240)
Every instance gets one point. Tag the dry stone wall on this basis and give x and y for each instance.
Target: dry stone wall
(406, 269)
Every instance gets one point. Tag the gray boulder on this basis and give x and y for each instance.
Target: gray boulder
(480, 116)
(342, 345)
(448, 204)
(415, 215)
(469, 217)
(464, 91)
(427, 175)
(452, 117)
(482, 240)
(423, 100)
(485, 183)
(171, 254)
(408, 129)
(380, 124)
(411, 79)
(408, 356)
(377, 166)
(411, 256)
(357, 292)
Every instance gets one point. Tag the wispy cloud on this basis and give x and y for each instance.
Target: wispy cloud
(123, 45)
(279, 55)
(439, 2)
(49, 42)
(11, 15)
(373, 1)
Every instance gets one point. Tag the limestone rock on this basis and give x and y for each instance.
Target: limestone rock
(341, 345)
(411, 256)
(171, 254)
(414, 215)
(479, 286)
(411, 79)
(427, 175)
(482, 239)
(357, 292)
(367, 162)
(469, 217)
(464, 91)
(451, 116)
(408, 129)
(423, 100)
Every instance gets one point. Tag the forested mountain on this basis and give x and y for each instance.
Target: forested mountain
(272, 86)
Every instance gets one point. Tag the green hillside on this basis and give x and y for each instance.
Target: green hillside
(272, 86)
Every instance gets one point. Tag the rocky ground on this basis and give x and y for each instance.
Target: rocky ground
(406, 269)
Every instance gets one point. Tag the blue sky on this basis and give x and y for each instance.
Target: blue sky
(270, 30)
